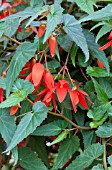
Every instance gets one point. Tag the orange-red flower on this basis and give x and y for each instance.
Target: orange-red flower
(61, 89)
(78, 96)
(48, 80)
(100, 64)
(41, 30)
(14, 109)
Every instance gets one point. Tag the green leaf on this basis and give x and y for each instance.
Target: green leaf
(3, 83)
(75, 32)
(105, 130)
(7, 125)
(14, 99)
(104, 30)
(87, 157)
(54, 18)
(67, 148)
(88, 138)
(110, 160)
(98, 112)
(98, 167)
(38, 12)
(73, 54)
(61, 137)
(23, 54)
(106, 84)
(21, 90)
(50, 129)
(97, 72)
(102, 96)
(39, 148)
(85, 5)
(94, 49)
(21, 84)
(34, 3)
(7, 129)
(29, 160)
(99, 15)
(95, 124)
(9, 27)
(28, 124)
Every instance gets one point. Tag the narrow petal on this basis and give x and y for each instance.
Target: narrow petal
(54, 102)
(48, 96)
(106, 45)
(37, 73)
(1, 96)
(49, 80)
(82, 101)
(61, 94)
(29, 77)
(82, 92)
(74, 99)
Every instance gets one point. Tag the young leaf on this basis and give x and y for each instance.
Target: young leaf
(102, 96)
(61, 137)
(28, 124)
(23, 54)
(87, 157)
(97, 72)
(67, 148)
(105, 130)
(50, 129)
(75, 32)
(29, 160)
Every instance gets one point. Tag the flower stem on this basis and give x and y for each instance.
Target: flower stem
(104, 154)
(12, 39)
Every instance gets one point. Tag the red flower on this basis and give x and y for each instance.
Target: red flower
(41, 30)
(52, 45)
(14, 109)
(107, 44)
(48, 80)
(37, 73)
(100, 64)
(1, 96)
(78, 96)
(61, 90)
(5, 14)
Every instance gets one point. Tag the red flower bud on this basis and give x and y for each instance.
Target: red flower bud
(52, 45)
(100, 64)
(41, 30)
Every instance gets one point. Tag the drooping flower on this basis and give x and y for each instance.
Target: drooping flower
(52, 45)
(78, 96)
(1, 96)
(41, 30)
(100, 64)
(61, 89)
(48, 79)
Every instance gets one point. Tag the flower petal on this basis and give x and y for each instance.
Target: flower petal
(106, 45)
(82, 101)
(74, 99)
(37, 73)
(14, 109)
(61, 93)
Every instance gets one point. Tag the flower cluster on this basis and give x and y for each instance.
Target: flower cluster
(38, 75)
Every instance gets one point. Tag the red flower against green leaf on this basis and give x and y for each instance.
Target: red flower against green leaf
(78, 96)
(14, 109)
(61, 89)
(52, 45)
(41, 30)
(107, 44)
(1, 96)
(48, 80)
